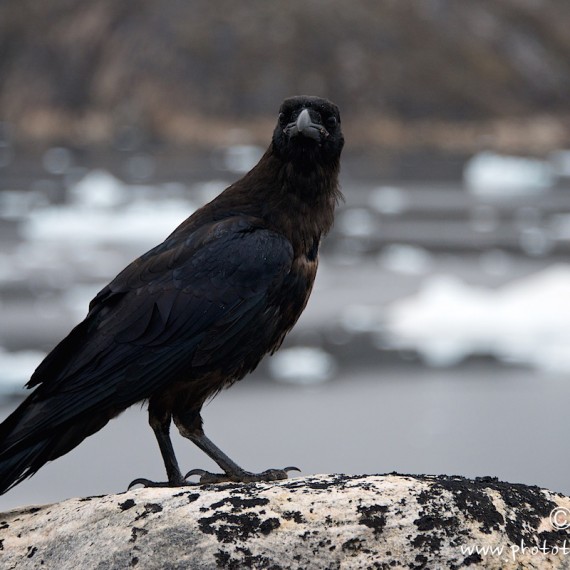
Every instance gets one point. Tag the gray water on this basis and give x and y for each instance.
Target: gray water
(473, 421)
(377, 408)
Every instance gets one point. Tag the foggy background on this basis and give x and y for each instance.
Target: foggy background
(437, 337)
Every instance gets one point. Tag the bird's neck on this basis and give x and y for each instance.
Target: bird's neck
(297, 201)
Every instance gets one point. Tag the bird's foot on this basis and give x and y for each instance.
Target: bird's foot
(241, 476)
(148, 483)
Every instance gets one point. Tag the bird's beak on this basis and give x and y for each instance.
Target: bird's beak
(305, 126)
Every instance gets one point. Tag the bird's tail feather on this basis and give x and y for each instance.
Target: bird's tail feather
(23, 454)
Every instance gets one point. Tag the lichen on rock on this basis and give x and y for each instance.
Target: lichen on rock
(323, 521)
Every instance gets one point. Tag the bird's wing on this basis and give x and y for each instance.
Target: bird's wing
(185, 304)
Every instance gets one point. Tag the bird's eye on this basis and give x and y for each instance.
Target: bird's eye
(282, 119)
(331, 122)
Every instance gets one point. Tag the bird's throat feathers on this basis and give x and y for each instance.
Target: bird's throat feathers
(299, 193)
(299, 201)
(295, 200)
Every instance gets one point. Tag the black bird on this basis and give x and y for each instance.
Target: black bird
(195, 313)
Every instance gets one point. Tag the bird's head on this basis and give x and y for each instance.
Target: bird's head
(308, 131)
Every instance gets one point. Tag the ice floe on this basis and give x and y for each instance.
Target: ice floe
(526, 321)
(495, 175)
(102, 209)
(302, 365)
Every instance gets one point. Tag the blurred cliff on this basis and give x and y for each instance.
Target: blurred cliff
(453, 75)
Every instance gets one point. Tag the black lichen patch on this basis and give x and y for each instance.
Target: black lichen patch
(433, 527)
(193, 497)
(473, 500)
(422, 562)
(430, 537)
(238, 504)
(153, 507)
(526, 507)
(136, 532)
(31, 510)
(31, 551)
(224, 560)
(4, 525)
(149, 508)
(318, 485)
(474, 558)
(247, 560)
(295, 516)
(309, 484)
(373, 516)
(128, 504)
(229, 527)
(269, 525)
(428, 541)
(90, 498)
(438, 520)
(353, 545)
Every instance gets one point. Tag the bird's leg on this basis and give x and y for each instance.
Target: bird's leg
(190, 426)
(160, 423)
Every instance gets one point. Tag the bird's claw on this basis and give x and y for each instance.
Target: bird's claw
(148, 483)
(241, 477)
(144, 483)
(208, 478)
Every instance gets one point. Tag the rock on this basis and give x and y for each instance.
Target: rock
(323, 521)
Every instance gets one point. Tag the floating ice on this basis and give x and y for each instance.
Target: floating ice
(99, 213)
(389, 200)
(361, 319)
(142, 222)
(16, 204)
(99, 189)
(356, 222)
(501, 176)
(302, 365)
(407, 259)
(526, 321)
(496, 262)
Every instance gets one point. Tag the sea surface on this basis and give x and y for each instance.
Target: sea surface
(436, 339)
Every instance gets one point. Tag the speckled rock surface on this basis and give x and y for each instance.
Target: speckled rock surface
(324, 521)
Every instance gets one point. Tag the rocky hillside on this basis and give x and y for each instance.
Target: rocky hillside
(71, 67)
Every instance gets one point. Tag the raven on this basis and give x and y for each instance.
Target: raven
(194, 314)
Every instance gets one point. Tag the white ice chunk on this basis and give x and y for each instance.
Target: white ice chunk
(407, 259)
(494, 175)
(302, 365)
(526, 321)
(356, 222)
(98, 189)
(389, 200)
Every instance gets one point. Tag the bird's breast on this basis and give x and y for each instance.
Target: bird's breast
(299, 286)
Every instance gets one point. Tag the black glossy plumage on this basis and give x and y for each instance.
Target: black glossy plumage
(195, 313)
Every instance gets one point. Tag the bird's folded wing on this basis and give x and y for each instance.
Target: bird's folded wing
(186, 304)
